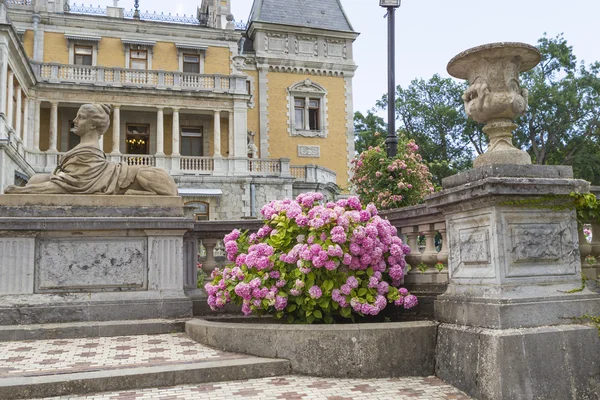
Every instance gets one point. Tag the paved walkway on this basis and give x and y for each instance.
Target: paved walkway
(297, 388)
(67, 356)
(49, 357)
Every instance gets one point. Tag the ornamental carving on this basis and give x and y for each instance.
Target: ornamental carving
(335, 48)
(277, 42)
(309, 151)
(307, 46)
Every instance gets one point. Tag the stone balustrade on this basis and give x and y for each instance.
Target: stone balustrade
(590, 267)
(415, 224)
(123, 77)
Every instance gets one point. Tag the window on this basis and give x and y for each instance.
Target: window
(309, 102)
(137, 139)
(307, 114)
(191, 142)
(191, 63)
(138, 59)
(83, 55)
(201, 210)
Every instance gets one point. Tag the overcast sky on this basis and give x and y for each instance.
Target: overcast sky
(430, 32)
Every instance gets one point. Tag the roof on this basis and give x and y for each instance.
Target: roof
(322, 14)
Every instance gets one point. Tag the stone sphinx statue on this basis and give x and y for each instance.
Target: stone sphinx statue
(85, 169)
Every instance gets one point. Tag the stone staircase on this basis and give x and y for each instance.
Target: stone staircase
(77, 358)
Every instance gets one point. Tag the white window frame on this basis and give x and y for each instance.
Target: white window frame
(138, 45)
(85, 41)
(185, 131)
(190, 49)
(307, 90)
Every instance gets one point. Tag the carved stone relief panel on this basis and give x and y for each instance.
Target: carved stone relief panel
(539, 243)
(309, 151)
(277, 42)
(335, 48)
(307, 46)
(470, 247)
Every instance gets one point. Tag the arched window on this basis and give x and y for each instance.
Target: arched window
(201, 210)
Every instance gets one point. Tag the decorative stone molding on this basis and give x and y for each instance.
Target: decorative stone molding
(308, 89)
(306, 46)
(335, 48)
(306, 70)
(309, 151)
(277, 42)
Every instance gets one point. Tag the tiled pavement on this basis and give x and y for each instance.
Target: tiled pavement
(49, 357)
(297, 388)
(67, 356)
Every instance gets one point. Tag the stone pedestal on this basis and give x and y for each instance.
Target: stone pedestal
(513, 255)
(91, 258)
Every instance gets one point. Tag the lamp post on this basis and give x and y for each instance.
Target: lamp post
(391, 141)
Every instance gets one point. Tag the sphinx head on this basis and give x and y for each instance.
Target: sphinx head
(92, 119)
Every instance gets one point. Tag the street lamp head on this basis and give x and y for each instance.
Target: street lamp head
(390, 3)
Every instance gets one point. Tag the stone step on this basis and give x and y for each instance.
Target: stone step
(67, 367)
(140, 378)
(90, 329)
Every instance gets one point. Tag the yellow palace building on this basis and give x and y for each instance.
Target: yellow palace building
(239, 114)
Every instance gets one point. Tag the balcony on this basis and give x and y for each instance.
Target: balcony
(122, 77)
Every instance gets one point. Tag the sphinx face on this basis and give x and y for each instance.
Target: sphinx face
(83, 123)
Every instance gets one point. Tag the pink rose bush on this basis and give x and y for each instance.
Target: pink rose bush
(391, 182)
(312, 262)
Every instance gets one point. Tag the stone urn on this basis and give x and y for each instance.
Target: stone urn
(495, 96)
(239, 63)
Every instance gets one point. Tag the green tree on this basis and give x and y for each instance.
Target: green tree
(561, 126)
(562, 123)
(369, 131)
(432, 114)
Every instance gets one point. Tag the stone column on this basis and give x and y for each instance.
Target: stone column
(116, 134)
(9, 99)
(25, 133)
(217, 134)
(176, 133)
(3, 81)
(18, 114)
(53, 126)
(231, 135)
(36, 124)
(160, 132)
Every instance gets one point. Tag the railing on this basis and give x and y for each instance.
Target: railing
(589, 245)
(196, 164)
(20, 2)
(107, 76)
(425, 232)
(139, 159)
(83, 9)
(145, 16)
(298, 171)
(264, 166)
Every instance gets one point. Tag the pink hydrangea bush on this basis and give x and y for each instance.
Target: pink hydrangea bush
(391, 182)
(313, 262)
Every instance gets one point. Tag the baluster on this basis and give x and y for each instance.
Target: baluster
(412, 235)
(595, 245)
